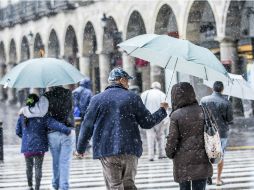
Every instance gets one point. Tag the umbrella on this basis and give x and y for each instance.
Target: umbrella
(41, 73)
(238, 88)
(177, 55)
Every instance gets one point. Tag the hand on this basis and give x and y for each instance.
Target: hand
(79, 155)
(164, 105)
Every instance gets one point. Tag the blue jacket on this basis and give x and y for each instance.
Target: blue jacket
(113, 117)
(34, 134)
(82, 96)
(222, 111)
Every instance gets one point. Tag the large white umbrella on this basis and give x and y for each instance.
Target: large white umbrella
(176, 55)
(239, 87)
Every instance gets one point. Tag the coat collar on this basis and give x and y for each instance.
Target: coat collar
(116, 86)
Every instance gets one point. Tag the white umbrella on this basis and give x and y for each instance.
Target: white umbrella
(238, 88)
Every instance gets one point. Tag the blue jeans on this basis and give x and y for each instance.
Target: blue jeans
(61, 148)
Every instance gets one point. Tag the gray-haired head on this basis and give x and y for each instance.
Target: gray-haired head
(156, 85)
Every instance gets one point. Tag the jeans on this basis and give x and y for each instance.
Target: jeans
(119, 172)
(195, 184)
(61, 147)
(34, 161)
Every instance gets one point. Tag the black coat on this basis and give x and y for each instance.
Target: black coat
(185, 142)
(60, 105)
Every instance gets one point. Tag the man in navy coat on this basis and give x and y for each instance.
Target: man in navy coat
(112, 118)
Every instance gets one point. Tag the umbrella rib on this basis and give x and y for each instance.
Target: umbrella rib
(171, 78)
(205, 73)
(132, 51)
(168, 62)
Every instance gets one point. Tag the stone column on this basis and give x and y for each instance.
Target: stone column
(84, 66)
(129, 67)
(2, 94)
(146, 79)
(229, 55)
(104, 66)
(11, 91)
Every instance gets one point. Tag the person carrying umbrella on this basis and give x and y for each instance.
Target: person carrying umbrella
(112, 119)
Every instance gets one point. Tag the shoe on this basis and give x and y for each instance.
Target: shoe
(219, 183)
(209, 181)
(30, 188)
(162, 157)
(151, 160)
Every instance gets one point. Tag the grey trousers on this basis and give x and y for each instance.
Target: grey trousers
(120, 171)
(34, 161)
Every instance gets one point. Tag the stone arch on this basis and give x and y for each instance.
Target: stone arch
(25, 52)
(135, 25)
(90, 65)
(71, 46)
(53, 45)
(201, 30)
(138, 68)
(38, 46)
(2, 54)
(201, 24)
(12, 53)
(165, 24)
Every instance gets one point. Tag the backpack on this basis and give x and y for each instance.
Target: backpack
(211, 137)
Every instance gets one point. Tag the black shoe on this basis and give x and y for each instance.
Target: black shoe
(209, 181)
(151, 160)
(162, 157)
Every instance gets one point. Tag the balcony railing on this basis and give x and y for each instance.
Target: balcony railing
(33, 10)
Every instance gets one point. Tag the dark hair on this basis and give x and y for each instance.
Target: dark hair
(218, 86)
(31, 100)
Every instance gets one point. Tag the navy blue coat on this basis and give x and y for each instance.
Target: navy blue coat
(34, 134)
(113, 117)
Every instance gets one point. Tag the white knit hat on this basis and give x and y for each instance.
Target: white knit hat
(156, 85)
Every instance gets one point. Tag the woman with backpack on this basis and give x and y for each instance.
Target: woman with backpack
(33, 132)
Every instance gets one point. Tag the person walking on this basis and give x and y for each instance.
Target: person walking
(185, 141)
(222, 111)
(152, 99)
(59, 101)
(112, 119)
(33, 132)
(81, 99)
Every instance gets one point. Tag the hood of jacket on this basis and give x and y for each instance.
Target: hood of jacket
(86, 83)
(182, 94)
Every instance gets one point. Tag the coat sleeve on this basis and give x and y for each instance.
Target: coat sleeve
(19, 127)
(55, 125)
(172, 139)
(145, 119)
(87, 126)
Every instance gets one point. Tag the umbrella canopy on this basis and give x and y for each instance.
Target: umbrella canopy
(41, 73)
(238, 88)
(177, 55)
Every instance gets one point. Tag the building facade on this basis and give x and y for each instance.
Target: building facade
(86, 33)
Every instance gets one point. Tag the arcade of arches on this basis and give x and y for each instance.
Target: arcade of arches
(225, 28)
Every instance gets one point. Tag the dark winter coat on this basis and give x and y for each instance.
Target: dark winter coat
(60, 105)
(34, 134)
(185, 142)
(82, 96)
(112, 118)
(222, 111)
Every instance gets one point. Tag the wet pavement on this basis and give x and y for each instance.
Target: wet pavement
(241, 133)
